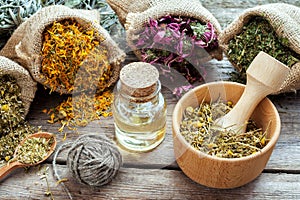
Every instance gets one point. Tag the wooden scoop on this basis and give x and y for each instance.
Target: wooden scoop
(265, 75)
(16, 164)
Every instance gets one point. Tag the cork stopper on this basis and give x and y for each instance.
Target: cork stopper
(139, 79)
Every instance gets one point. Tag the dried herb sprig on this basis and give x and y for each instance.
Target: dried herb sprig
(258, 35)
(44, 175)
(66, 46)
(199, 130)
(82, 109)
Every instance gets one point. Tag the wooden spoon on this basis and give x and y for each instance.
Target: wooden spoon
(16, 164)
(265, 76)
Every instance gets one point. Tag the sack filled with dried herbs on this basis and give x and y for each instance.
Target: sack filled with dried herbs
(272, 28)
(17, 90)
(56, 41)
(174, 35)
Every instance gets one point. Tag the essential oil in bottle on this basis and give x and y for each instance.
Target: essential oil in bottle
(139, 108)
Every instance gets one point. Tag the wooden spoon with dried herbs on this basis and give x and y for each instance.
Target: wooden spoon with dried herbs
(265, 76)
(33, 150)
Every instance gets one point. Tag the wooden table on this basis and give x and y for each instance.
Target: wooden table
(155, 175)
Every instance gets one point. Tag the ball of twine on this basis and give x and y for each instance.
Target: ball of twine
(92, 159)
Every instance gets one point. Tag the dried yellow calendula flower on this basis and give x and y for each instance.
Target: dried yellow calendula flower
(67, 46)
(75, 59)
(82, 109)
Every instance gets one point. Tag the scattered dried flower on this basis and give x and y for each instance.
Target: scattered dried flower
(82, 109)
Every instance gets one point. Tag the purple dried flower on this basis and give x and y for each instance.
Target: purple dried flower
(153, 23)
(177, 42)
(173, 26)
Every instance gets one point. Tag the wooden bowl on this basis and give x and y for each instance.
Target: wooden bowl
(218, 172)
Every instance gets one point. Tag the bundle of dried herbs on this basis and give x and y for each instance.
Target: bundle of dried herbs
(82, 109)
(66, 45)
(258, 35)
(178, 43)
(34, 150)
(13, 13)
(55, 42)
(200, 131)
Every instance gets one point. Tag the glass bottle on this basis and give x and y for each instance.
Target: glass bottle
(139, 108)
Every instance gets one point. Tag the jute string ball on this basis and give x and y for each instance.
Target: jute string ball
(92, 159)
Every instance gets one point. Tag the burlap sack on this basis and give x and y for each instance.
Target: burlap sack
(138, 13)
(26, 83)
(285, 19)
(25, 44)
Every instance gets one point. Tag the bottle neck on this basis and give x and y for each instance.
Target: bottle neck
(131, 95)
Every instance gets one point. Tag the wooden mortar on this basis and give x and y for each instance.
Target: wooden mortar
(218, 172)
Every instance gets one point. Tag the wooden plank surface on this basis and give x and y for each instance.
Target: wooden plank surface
(285, 156)
(132, 183)
(155, 175)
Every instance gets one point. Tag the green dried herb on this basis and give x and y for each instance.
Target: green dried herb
(199, 130)
(34, 150)
(109, 19)
(258, 35)
(13, 13)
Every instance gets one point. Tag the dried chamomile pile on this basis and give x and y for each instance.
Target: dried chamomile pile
(12, 108)
(200, 131)
(34, 150)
